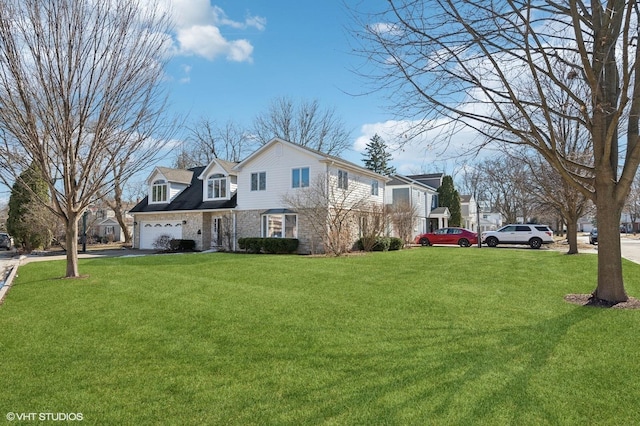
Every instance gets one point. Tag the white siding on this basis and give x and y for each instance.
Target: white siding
(277, 166)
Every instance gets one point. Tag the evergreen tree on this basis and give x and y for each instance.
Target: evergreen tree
(377, 158)
(28, 220)
(449, 197)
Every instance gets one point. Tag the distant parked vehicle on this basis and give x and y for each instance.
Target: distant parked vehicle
(455, 236)
(532, 234)
(593, 236)
(6, 241)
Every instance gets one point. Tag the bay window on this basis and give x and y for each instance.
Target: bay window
(280, 226)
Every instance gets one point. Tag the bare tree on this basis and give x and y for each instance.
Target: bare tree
(331, 212)
(79, 92)
(556, 194)
(305, 124)
(403, 218)
(505, 183)
(373, 223)
(491, 66)
(207, 140)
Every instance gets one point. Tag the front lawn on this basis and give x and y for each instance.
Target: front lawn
(422, 336)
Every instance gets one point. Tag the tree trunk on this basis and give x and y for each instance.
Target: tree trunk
(572, 235)
(72, 247)
(610, 282)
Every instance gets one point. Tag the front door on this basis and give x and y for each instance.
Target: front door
(216, 232)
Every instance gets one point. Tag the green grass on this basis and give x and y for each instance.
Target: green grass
(421, 336)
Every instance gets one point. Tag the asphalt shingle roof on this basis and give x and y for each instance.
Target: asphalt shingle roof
(189, 199)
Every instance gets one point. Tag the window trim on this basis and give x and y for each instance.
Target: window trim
(375, 187)
(159, 192)
(261, 181)
(265, 225)
(343, 179)
(212, 179)
(302, 180)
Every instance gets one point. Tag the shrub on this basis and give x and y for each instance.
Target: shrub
(182, 245)
(163, 242)
(396, 243)
(381, 244)
(268, 245)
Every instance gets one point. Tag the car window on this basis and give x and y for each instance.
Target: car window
(543, 228)
(508, 229)
(522, 228)
(455, 231)
(441, 231)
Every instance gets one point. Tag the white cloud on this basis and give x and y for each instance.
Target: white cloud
(199, 31)
(186, 78)
(442, 149)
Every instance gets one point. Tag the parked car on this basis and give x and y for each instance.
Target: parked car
(593, 236)
(457, 236)
(6, 241)
(532, 234)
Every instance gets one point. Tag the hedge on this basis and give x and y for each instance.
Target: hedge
(269, 245)
(383, 244)
(182, 245)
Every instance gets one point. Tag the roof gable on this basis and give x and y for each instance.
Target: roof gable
(226, 167)
(397, 180)
(171, 175)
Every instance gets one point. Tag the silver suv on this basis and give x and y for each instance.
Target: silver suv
(533, 235)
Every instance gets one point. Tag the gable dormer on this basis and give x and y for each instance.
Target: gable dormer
(165, 184)
(218, 180)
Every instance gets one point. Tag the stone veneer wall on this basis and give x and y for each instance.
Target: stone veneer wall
(248, 225)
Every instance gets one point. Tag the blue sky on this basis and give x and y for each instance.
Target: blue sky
(234, 57)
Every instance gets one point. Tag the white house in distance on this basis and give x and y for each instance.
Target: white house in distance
(417, 192)
(469, 212)
(216, 204)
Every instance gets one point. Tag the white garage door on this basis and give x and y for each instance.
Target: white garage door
(150, 231)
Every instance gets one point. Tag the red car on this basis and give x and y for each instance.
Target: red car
(460, 236)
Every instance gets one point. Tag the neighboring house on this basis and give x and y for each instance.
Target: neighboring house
(469, 211)
(101, 225)
(421, 197)
(109, 230)
(221, 202)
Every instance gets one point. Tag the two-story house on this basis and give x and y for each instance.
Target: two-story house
(419, 194)
(216, 204)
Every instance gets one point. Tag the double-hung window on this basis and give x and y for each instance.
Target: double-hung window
(343, 179)
(375, 187)
(280, 226)
(259, 181)
(300, 177)
(159, 191)
(217, 186)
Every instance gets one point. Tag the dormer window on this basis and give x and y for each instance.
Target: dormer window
(216, 186)
(159, 191)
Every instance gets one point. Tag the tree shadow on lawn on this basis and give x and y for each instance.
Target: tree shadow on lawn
(457, 376)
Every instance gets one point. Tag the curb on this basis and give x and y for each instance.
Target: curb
(8, 282)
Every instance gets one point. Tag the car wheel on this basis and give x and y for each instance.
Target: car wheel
(535, 243)
(424, 242)
(492, 241)
(463, 242)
